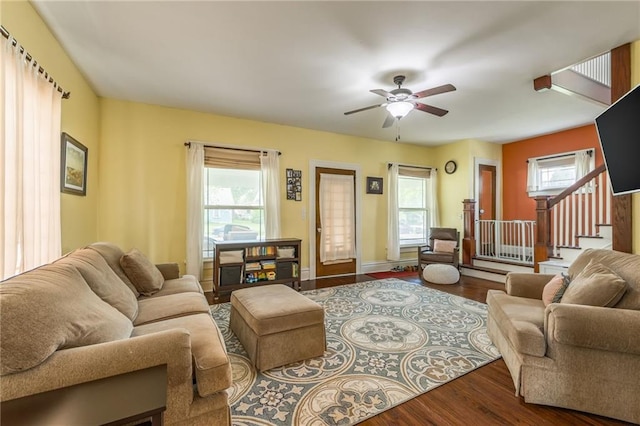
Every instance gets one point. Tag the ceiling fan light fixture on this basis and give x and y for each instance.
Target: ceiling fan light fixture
(400, 109)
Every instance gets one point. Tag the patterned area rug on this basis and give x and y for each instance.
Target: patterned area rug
(387, 342)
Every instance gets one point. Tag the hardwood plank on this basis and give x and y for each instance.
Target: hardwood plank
(485, 396)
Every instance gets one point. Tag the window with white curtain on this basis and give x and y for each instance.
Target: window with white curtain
(413, 211)
(233, 203)
(551, 175)
(29, 163)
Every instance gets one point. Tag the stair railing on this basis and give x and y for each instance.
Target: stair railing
(577, 211)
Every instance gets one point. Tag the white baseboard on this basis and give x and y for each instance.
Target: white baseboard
(386, 265)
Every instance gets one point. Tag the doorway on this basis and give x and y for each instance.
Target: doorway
(487, 192)
(319, 269)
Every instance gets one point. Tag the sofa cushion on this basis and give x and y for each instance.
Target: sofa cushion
(175, 305)
(184, 284)
(625, 265)
(103, 281)
(521, 320)
(143, 274)
(52, 308)
(212, 366)
(444, 246)
(596, 285)
(112, 254)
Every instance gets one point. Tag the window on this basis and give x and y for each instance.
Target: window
(551, 175)
(413, 214)
(233, 203)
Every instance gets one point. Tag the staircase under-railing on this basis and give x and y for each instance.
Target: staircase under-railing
(578, 211)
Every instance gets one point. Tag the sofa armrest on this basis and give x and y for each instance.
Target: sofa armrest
(594, 327)
(170, 271)
(73, 366)
(526, 284)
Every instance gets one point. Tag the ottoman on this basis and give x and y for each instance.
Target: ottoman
(277, 325)
(441, 274)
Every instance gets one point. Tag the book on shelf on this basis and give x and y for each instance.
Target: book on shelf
(260, 251)
(252, 266)
(268, 264)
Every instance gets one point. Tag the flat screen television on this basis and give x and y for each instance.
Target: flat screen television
(618, 129)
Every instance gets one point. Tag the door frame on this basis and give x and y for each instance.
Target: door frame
(476, 185)
(312, 210)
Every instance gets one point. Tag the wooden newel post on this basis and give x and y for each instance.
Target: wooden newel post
(469, 236)
(542, 249)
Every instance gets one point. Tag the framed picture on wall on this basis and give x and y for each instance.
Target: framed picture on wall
(73, 166)
(374, 185)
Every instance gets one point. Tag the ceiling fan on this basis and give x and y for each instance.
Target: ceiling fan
(401, 102)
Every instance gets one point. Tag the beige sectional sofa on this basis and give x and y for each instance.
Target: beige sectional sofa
(82, 318)
(584, 356)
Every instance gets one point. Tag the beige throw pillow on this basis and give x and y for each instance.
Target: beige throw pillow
(444, 246)
(596, 285)
(144, 275)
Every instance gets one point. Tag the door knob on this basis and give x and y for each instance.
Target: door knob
(481, 211)
(319, 230)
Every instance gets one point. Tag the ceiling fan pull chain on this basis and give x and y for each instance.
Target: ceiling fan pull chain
(398, 130)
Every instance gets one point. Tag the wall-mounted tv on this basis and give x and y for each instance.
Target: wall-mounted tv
(619, 133)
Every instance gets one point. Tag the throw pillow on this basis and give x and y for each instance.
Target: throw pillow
(144, 275)
(596, 285)
(444, 246)
(551, 289)
(565, 284)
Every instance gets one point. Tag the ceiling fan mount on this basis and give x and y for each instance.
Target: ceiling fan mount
(405, 101)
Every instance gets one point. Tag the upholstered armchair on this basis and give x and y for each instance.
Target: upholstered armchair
(443, 247)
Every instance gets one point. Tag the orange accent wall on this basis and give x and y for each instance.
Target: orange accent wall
(516, 204)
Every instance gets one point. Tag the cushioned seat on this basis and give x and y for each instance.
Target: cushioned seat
(172, 306)
(211, 364)
(277, 325)
(442, 249)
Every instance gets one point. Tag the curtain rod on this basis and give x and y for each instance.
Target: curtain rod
(227, 147)
(29, 58)
(412, 166)
(589, 152)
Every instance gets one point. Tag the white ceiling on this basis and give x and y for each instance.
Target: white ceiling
(305, 63)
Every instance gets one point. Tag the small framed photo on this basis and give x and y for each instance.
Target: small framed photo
(374, 185)
(73, 166)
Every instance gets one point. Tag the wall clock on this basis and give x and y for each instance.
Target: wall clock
(450, 167)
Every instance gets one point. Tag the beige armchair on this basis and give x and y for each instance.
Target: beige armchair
(428, 254)
(571, 355)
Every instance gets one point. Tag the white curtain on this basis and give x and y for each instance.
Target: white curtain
(270, 166)
(532, 176)
(337, 218)
(393, 227)
(583, 166)
(434, 217)
(29, 165)
(195, 208)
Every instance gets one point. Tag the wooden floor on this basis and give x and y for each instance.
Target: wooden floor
(485, 396)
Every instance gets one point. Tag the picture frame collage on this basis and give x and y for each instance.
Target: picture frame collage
(294, 185)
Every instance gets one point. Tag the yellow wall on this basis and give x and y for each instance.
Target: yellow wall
(635, 80)
(142, 174)
(458, 186)
(80, 115)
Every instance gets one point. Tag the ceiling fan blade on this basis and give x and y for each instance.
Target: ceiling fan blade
(388, 122)
(363, 109)
(381, 92)
(435, 91)
(431, 109)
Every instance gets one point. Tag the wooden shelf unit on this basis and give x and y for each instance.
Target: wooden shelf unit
(236, 264)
